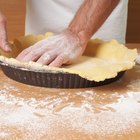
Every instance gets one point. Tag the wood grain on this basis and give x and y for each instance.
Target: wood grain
(15, 12)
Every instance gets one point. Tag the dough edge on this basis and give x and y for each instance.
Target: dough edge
(33, 66)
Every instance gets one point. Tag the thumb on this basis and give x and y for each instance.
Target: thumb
(4, 45)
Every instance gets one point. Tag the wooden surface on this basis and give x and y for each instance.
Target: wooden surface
(133, 29)
(15, 12)
(110, 112)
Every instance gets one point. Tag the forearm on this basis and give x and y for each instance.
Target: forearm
(90, 17)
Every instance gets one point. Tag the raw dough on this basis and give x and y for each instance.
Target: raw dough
(101, 60)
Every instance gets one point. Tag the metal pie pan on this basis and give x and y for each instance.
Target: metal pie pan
(50, 79)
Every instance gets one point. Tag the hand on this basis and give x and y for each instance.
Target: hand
(54, 51)
(3, 35)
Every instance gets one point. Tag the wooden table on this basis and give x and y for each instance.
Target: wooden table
(103, 113)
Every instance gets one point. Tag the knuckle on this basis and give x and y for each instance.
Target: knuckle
(34, 53)
(48, 56)
(25, 51)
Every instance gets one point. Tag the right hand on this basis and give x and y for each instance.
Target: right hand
(54, 51)
(4, 45)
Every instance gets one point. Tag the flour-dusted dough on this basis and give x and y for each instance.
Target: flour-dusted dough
(101, 60)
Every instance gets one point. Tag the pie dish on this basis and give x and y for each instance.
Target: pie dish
(102, 62)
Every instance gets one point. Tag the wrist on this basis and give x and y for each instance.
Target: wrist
(82, 37)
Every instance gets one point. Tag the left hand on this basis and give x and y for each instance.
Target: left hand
(4, 45)
(54, 51)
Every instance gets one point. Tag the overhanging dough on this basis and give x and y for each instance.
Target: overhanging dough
(101, 60)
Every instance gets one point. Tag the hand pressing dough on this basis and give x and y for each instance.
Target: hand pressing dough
(23, 42)
(101, 60)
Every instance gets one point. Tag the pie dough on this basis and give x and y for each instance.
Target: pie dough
(101, 60)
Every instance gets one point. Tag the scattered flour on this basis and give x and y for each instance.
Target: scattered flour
(133, 84)
(35, 118)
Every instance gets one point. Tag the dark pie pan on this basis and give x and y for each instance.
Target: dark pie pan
(52, 79)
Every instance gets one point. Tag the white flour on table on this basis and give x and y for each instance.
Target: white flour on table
(37, 117)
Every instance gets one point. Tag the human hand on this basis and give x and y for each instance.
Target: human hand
(3, 34)
(54, 51)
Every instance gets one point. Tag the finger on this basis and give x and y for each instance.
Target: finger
(29, 49)
(47, 58)
(33, 55)
(59, 61)
(6, 47)
(3, 37)
(24, 53)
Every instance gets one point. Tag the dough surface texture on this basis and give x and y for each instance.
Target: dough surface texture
(101, 60)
